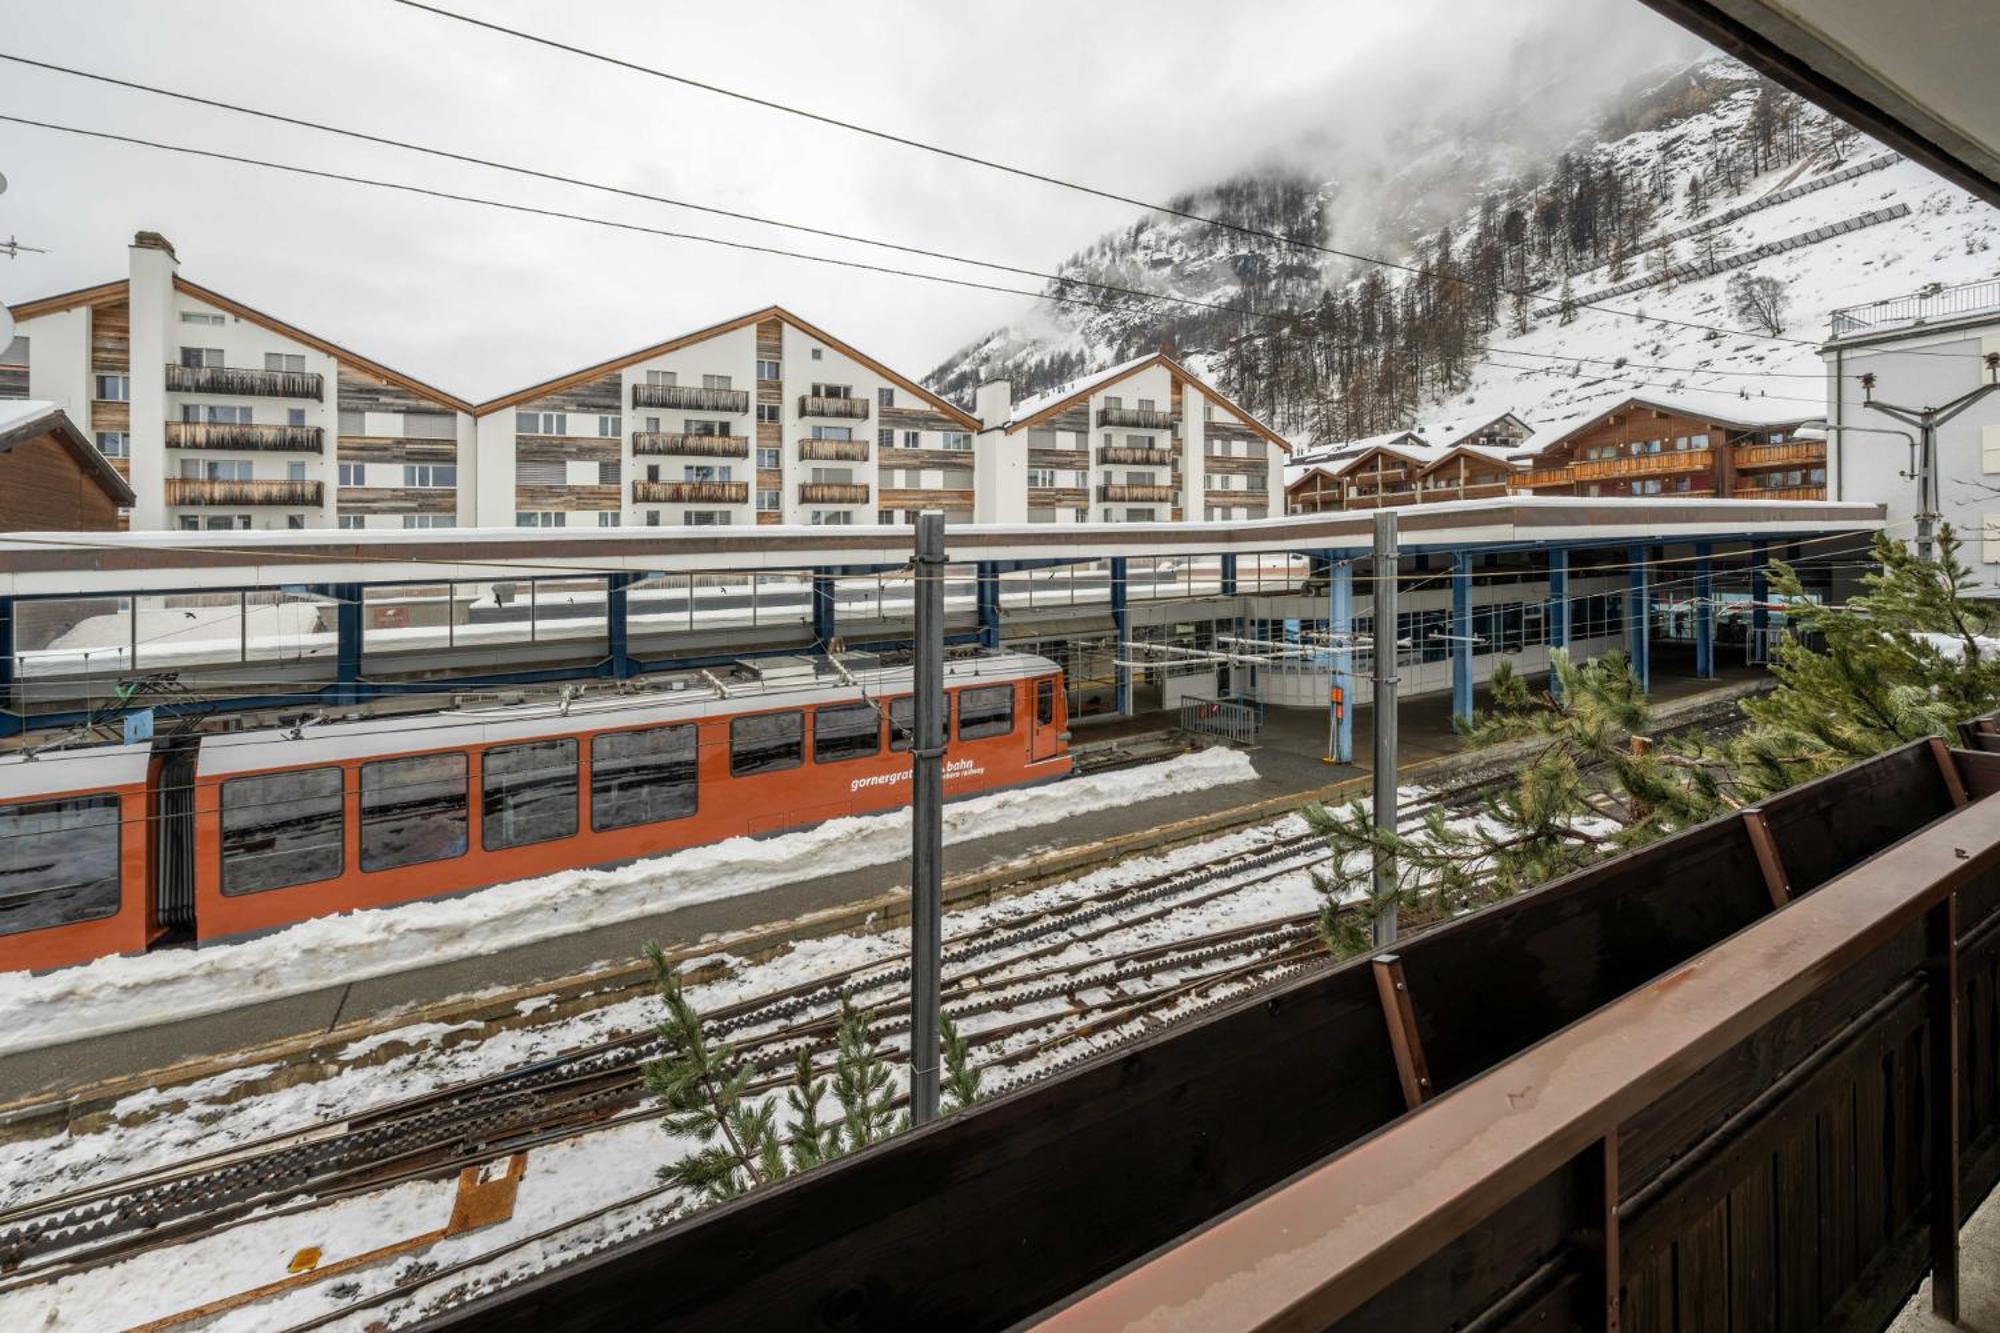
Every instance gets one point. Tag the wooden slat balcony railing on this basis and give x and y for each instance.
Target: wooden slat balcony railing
(1549, 476)
(834, 451)
(690, 446)
(239, 380)
(832, 493)
(846, 409)
(192, 491)
(1134, 417)
(1130, 492)
(691, 492)
(690, 397)
(1475, 490)
(1780, 493)
(263, 438)
(1642, 465)
(1790, 453)
(1136, 457)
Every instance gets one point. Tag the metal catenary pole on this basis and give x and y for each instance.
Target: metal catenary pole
(1927, 420)
(927, 820)
(1385, 720)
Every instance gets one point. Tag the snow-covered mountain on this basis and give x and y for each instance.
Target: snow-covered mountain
(1618, 232)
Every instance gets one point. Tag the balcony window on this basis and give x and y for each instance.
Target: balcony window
(210, 357)
(541, 423)
(429, 521)
(913, 439)
(295, 471)
(429, 474)
(114, 388)
(716, 381)
(704, 472)
(770, 370)
(114, 444)
(215, 469)
(1041, 476)
(832, 390)
(217, 414)
(705, 518)
(662, 379)
(355, 522)
(289, 361)
(833, 432)
(832, 518)
(1113, 401)
(958, 441)
(608, 518)
(296, 522)
(610, 428)
(295, 416)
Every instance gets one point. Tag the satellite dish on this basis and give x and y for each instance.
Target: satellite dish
(3, 185)
(6, 327)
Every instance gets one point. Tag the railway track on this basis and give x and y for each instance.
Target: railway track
(1010, 962)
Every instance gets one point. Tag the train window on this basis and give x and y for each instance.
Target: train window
(986, 711)
(413, 810)
(528, 793)
(846, 731)
(59, 862)
(766, 743)
(902, 722)
(642, 777)
(282, 829)
(1045, 702)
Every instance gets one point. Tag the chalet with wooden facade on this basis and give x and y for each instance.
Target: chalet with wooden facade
(1316, 490)
(1142, 442)
(52, 479)
(1659, 446)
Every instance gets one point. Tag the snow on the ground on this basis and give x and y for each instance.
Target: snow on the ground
(114, 994)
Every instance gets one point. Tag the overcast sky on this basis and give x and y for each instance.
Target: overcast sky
(1145, 97)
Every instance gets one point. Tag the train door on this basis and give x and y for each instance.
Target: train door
(1043, 732)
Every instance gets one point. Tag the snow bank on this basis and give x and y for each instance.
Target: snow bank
(114, 994)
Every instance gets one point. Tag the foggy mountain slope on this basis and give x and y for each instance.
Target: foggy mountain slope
(1663, 186)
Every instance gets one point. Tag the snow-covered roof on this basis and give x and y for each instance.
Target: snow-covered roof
(18, 412)
(1042, 402)
(30, 419)
(1739, 409)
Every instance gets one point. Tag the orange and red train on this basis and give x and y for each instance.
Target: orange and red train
(119, 849)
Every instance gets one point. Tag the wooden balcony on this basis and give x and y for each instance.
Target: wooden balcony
(1642, 465)
(691, 492)
(832, 493)
(1545, 477)
(691, 398)
(844, 409)
(1779, 493)
(1133, 457)
(1792, 453)
(240, 382)
(1381, 499)
(834, 451)
(1135, 418)
(232, 494)
(264, 439)
(690, 446)
(1477, 490)
(1129, 493)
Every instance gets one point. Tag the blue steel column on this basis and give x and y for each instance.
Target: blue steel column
(13, 715)
(1760, 594)
(1556, 619)
(1340, 624)
(617, 627)
(1704, 611)
(1639, 619)
(822, 610)
(347, 643)
(1461, 636)
(1229, 575)
(1119, 630)
(988, 588)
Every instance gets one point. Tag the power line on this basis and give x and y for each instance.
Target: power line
(1046, 179)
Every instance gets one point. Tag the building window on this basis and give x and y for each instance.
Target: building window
(607, 472)
(957, 440)
(652, 518)
(541, 423)
(1138, 516)
(885, 397)
(296, 522)
(295, 416)
(833, 433)
(769, 458)
(818, 354)
(114, 388)
(609, 518)
(540, 518)
(711, 429)
(706, 472)
(705, 518)
(215, 469)
(664, 379)
(217, 414)
(716, 381)
(200, 317)
(291, 361)
(114, 444)
(1041, 476)
(913, 439)
(430, 475)
(610, 427)
(353, 474)
(295, 471)
(771, 414)
(770, 501)
(832, 518)
(770, 370)
(885, 438)
(201, 356)
(429, 521)
(413, 810)
(842, 391)
(1113, 401)
(355, 522)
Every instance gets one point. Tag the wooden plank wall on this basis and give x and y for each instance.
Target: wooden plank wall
(989, 1216)
(111, 337)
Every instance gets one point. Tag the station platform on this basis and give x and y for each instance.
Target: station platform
(1288, 759)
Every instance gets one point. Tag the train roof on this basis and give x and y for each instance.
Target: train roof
(749, 686)
(93, 768)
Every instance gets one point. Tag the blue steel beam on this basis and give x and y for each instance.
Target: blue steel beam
(11, 713)
(1120, 625)
(1461, 636)
(347, 686)
(1229, 575)
(822, 609)
(1638, 617)
(987, 598)
(1704, 611)
(617, 625)
(1340, 621)
(1556, 618)
(1760, 594)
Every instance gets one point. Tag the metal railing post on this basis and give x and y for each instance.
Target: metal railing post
(1385, 573)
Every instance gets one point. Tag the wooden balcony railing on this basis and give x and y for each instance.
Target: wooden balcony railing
(691, 492)
(265, 439)
(690, 446)
(1129, 492)
(240, 381)
(834, 451)
(1642, 465)
(1790, 453)
(1131, 456)
(1780, 493)
(1472, 490)
(832, 493)
(1547, 476)
(191, 491)
(846, 409)
(1146, 419)
(692, 398)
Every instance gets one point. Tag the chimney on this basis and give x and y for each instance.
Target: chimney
(152, 240)
(994, 403)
